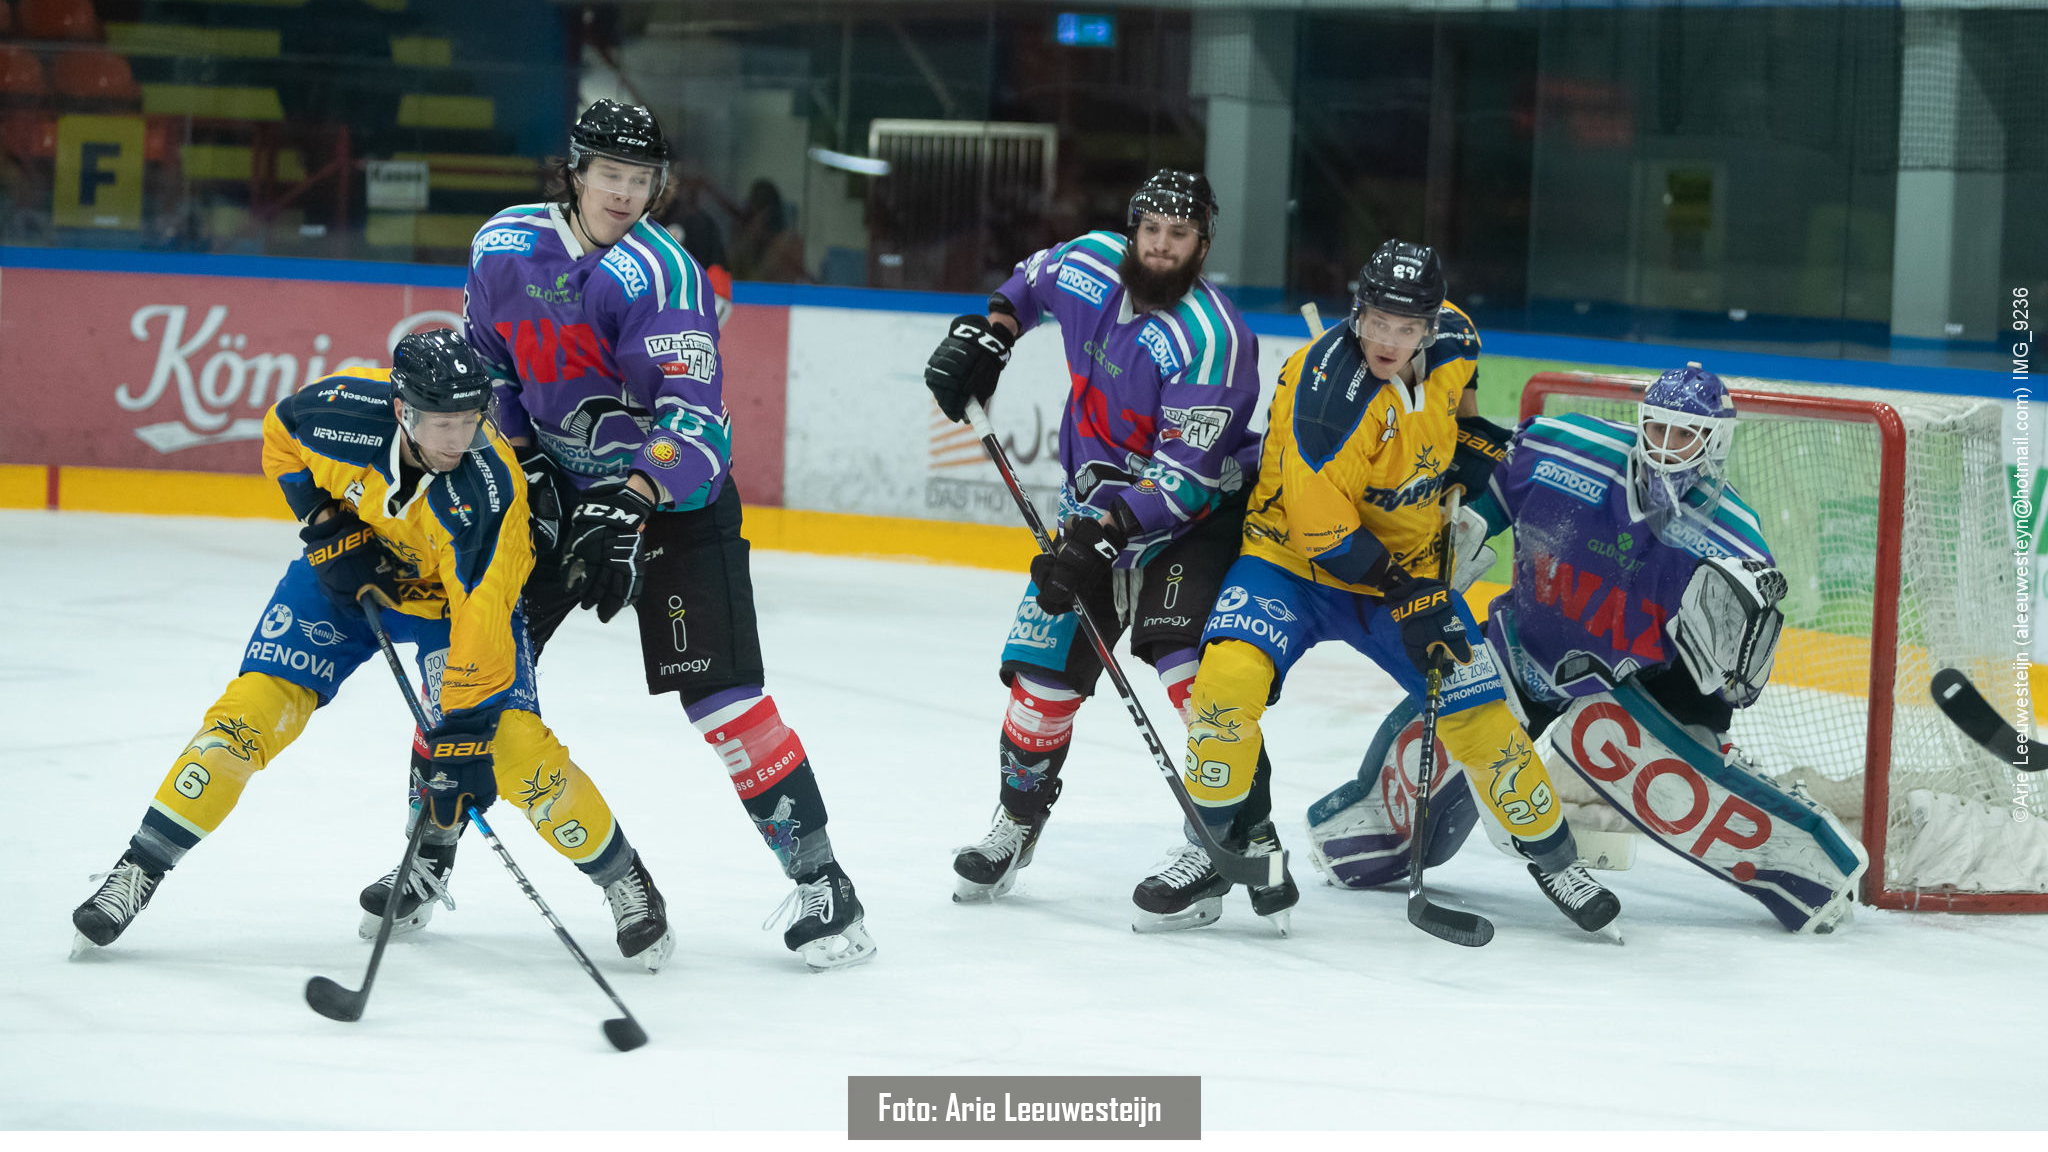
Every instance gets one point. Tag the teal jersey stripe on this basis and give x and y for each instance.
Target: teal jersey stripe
(686, 280)
(1105, 246)
(1586, 435)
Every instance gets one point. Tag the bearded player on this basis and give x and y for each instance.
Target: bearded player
(401, 485)
(1343, 542)
(1155, 445)
(1643, 613)
(604, 332)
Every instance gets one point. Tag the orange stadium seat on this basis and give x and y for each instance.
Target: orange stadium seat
(29, 135)
(92, 76)
(21, 75)
(59, 20)
(6, 19)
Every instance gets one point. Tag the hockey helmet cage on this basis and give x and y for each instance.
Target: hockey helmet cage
(1177, 196)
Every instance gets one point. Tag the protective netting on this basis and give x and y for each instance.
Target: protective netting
(1957, 819)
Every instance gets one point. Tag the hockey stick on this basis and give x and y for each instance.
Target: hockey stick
(1441, 922)
(1960, 701)
(1263, 871)
(337, 1003)
(1313, 317)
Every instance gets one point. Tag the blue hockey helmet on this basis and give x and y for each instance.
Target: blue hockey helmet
(1685, 424)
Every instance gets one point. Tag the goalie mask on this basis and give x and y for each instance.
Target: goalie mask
(1684, 424)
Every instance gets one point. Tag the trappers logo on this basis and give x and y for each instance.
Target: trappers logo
(222, 380)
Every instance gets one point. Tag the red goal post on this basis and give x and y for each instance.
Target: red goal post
(1887, 511)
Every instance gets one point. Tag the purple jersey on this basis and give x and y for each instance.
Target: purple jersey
(1161, 402)
(1591, 578)
(608, 359)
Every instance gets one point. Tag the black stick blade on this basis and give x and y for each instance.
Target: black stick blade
(1960, 701)
(333, 1001)
(1257, 871)
(625, 1033)
(1447, 924)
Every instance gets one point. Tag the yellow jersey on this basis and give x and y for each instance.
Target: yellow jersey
(1353, 466)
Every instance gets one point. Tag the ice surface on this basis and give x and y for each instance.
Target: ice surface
(120, 631)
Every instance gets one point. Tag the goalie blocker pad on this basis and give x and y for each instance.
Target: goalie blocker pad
(1787, 852)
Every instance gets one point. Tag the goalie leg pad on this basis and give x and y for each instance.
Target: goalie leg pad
(1358, 834)
(1785, 851)
(254, 719)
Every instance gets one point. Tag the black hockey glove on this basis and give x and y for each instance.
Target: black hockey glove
(1481, 445)
(549, 499)
(604, 547)
(966, 363)
(1079, 562)
(1429, 622)
(458, 766)
(347, 557)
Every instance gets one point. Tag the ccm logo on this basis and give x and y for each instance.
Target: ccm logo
(1436, 599)
(348, 543)
(462, 748)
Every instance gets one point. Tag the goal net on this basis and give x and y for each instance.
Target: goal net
(1887, 512)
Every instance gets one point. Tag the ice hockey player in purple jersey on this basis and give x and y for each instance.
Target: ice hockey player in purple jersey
(605, 333)
(1643, 613)
(1156, 447)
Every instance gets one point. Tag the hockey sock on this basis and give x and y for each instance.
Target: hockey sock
(254, 719)
(535, 772)
(1037, 727)
(1224, 741)
(1177, 672)
(1509, 778)
(770, 772)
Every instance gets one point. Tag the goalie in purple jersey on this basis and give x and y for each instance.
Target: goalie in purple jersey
(604, 334)
(1156, 448)
(1644, 611)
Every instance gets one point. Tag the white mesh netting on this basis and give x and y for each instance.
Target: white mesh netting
(1958, 819)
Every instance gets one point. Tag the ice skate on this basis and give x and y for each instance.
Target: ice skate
(124, 892)
(1272, 902)
(1579, 896)
(826, 926)
(1187, 892)
(986, 870)
(641, 917)
(427, 886)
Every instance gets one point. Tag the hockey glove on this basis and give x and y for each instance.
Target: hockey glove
(347, 556)
(549, 499)
(459, 769)
(604, 547)
(1079, 562)
(1727, 626)
(1481, 445)
(966, 363)
(1429, 622)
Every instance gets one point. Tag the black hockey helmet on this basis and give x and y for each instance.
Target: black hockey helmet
(1179, 196)
(621, 131)
(438, 371)
(1400, 279)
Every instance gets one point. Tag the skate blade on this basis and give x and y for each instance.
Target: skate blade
(966, 891)
(1282, 921)
(81, 947)
(827, 953)
(403, 926)
(1196, 915)
(656, 954)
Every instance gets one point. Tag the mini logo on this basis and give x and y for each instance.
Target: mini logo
(1275, 608)
(1575, 484)
(518, 240)
(626, 271)
(320, 632)
(276, 622)
(663, 452)
(1082, 284)
(1232, 599)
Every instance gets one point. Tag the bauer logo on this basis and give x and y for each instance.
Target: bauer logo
(626, 271)
(518, 240)
(1083, 285)
(1153, 336)
(1577, 485)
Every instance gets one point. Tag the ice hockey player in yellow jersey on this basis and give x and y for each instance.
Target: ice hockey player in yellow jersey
(403, 487)
(1363, 440)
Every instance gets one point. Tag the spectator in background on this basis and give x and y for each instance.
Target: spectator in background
(765, 247)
